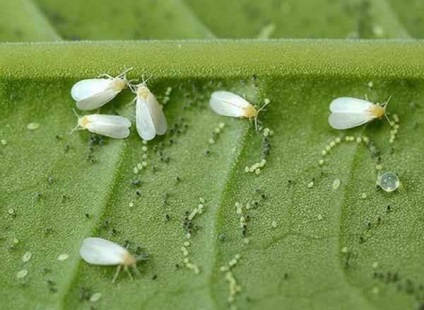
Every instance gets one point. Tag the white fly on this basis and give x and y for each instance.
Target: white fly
(91, 94)
(149, 117)
(113, 126)
(98, 251)
(229, 104)
(349, 112)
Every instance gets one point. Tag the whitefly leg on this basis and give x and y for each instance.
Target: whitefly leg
(136, 271)
(129, 273)
(118, 270)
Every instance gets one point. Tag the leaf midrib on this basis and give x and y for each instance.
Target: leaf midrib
(94, 225)
(401, 59)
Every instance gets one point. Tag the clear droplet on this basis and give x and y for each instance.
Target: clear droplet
(388, 181)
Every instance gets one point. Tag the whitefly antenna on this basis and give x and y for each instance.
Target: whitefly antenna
(144, 81)
(122, 75)
(259, 110)
(133, 86)
(77, 127)
(141, 257)
(385, 104)
(263, 106)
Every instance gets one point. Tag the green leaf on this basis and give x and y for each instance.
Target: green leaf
(18, 20)
(62, 190)
(143, 19)
(308, 242)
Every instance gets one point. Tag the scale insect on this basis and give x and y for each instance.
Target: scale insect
(91, 94)
(229, 104)
(98, 251)
(113, 126)
(149, 117)
(349, 112)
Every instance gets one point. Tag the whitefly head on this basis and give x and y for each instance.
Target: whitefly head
(142, 91)
(379, 110)
(83, 121)
(118, 84)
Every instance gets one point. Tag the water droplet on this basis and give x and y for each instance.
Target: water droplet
(388, 181)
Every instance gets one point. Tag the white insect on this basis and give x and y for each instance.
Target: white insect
(91, 94)
(229, 104)
(149, 117)
(113, 126)
(98, 251)
(349, 112)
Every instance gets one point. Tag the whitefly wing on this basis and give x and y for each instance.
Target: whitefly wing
(113, 126)
(349, 112)
(349, 105)
(98, 100)
(347, 120)
(116, 120)
(88, 88)
(144, 122)
(228, 104)
(98, 251)
(157, 115)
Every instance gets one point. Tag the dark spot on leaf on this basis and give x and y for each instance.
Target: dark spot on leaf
(84, 294)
